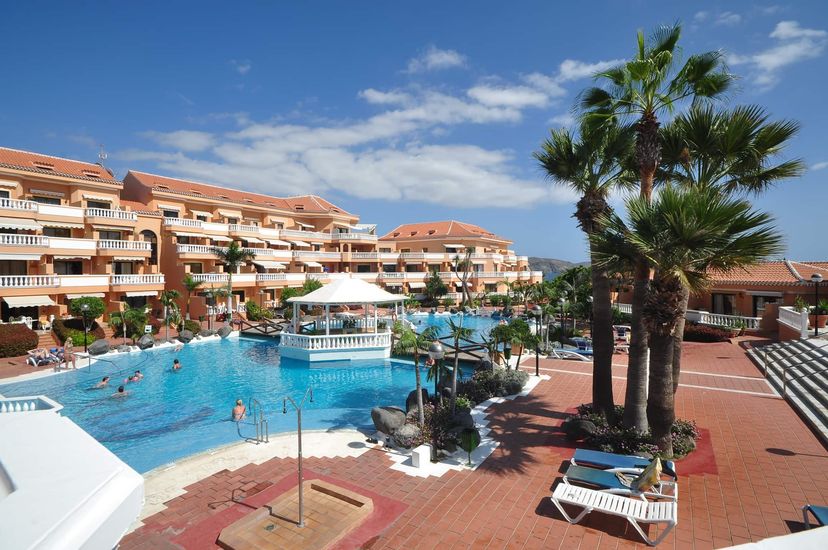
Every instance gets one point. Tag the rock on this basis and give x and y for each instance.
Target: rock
(98, 347)
(387, 419)
(123, 348)
(206, 332)
(411, 400)
(146, 341)
(407, 436)
(224, 331)
(463, 419)
(185, 336)
(578, 428)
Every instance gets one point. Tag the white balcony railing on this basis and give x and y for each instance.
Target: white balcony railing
(78, 245)
(141, 246)
(436, 256)
(624, 308)
(394, 275)
(336, 341)
(17, 204)
(317, 276)
(354, 237)
(264, 277)
(12, 239)
(222, 228)
(796, 320)
(210, 277)
(29, 281)
(364, 256)
(241, 228)
(271, 253)
(317, 255)
(304, 235)
(149, 279)
(121, 215)
(196, 249)
(732, 321)
(182, 222)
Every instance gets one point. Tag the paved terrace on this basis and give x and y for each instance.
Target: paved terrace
(756, 464)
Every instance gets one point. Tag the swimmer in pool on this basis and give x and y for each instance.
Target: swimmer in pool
(121, 392)
(239, 411)
(176, 365)
(138, 375)
(103, 383)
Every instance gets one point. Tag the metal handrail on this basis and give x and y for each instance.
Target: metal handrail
(784, 369)
(262, 432)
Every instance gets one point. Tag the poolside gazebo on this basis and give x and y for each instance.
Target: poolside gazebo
(338, 337)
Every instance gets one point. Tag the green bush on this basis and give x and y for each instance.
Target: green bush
(256, 313)
(705, 333)
(97, 307)
(65, 328)
(447, 302)
(463, 403)
(485, 384)
(192, 326)
(438, 424)
(16, 339)
(619, 318)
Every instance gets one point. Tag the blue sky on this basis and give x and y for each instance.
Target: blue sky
(397, 112)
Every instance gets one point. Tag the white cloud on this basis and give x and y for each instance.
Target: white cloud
(517, 97)
(820, 165)
(701, 16)
(793, 44)
(435, 59)
(183, 140)
(384, 98)
(242, 66)
(770, 10)
(545, 83)
(561, 120)
(728, 19)
(571, 69)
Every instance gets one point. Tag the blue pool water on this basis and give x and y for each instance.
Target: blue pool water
(170, 415)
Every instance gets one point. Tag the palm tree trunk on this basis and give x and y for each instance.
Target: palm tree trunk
(660, 403)
(678, 337)
(420, 413)
(602, 343)
(454, 372)
(635, 399)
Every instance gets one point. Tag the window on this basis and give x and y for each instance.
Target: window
(389, 268)
(424, 249)
(405, 250)
(195, 267)
(109, 235)
(363, 268)
(135, 301)
(724, 304)
(64, 232)
(170, 213)
(413, 268)
(12, 267)
(46, 200)
(433, 267)
(68, 267)
(181, 239)
(280, 226)
(759, 303)
(385, 250)
(99, 204)
(122, 268)
(316, 247)
(201, 217)
(233, 221)
(299, 207)
(4, 194)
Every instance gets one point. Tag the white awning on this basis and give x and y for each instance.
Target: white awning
(416, 285)
(312, 264)
(196, 235)
(9, 183)
(66, 225)
(230, 213)
(389, 263)
(269, 265)
(301, 244)
(27, 257)
(19, 223)
(45, 193)
(318, 244)
(141, 293)
(219, 238)
(479, 262)
(72, 257)
(460, 283)
(253, 240)
(277, 242)
(300, 224)
(392, 283)
(86, 295)
(454, 246)
(102, 198)
(202, 213)
(128, 259)
(369, 227)
(170, 207)
(28, 301)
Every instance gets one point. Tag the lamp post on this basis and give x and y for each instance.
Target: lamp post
(85, 313)
(816, 278)
(561, 302)
(589, 301)
(436, 354)
(538, 311)
(308, 392)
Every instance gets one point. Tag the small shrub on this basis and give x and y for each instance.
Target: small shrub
(619, 318)
(438, 425)
(65, 328)
(485, 384)
(96, 307)
(16, 339)
(192, 326)
(462, 403)
(705, 333)
(447, 302)
(256, 313)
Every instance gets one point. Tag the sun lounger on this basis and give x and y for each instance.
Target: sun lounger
(634, 510)
(609, 481)
(612, 461)
(820, 514)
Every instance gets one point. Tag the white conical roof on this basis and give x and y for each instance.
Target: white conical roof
(348, 291)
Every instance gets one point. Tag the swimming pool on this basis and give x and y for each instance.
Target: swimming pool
(171, 415)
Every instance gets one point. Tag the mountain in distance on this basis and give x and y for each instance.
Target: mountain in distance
(551, 266)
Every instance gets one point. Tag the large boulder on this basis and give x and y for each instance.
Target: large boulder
(146, 341)
(463, 419)
(206, 332)
(578, 428)
(224, 331)
(98, 347)
(411, 400)
(387, 419)
(407, 436)
(123, 348)
(186, 336)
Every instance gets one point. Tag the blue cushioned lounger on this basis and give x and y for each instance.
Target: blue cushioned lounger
(607, 481)
(819, 512)
(611, 461)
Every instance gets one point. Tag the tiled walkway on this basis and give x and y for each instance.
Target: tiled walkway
(756, 465)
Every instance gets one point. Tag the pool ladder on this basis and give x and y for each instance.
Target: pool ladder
(257, 415)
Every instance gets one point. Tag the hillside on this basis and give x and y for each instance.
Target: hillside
(551, 266)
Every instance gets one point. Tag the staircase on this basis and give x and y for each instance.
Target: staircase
(46, 339)
(798, 370)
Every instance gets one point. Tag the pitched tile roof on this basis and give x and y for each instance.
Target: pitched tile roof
(441, 229)
(779, 272)
(310, 204)
(45, 164)
(139, 207)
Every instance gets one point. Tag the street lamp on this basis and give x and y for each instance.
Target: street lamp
(816, 278)
(308, 392)
(85, 313)
(538, 311)
(436, 354)
(589, 300)
(561, 302)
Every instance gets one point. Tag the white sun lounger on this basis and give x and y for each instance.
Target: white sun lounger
(633, 510)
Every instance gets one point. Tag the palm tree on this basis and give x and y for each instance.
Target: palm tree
(190, 285)
(641, 89)
(409, 341)
(457, 331)
(500, 333)
(593, 165)
(167, 299)
(684, 234)
(730, 150)
(232, 257)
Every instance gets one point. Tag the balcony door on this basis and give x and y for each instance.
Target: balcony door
(123, 268)
(99, 204)
(723, 304)
(63, 267)
(759, 303)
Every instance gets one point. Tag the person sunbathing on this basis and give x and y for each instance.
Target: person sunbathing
(39, 357)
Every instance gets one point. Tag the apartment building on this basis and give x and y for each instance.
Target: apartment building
(65, 232)
(70, 229)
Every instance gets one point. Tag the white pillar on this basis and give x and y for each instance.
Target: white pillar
(295, 317)
(375, 318)
(327, 320)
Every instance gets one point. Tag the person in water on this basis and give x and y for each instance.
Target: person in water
(176, 365)
(121, 392)
(134, 378)
(103, 383)
(239, 411)
(138, 375)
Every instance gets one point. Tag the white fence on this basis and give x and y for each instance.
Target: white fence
(732, 321)
(12, 239)
(121, 215)
(796, 320)
(124, 245)
(336, 341)
(28, 281)
(130, 279)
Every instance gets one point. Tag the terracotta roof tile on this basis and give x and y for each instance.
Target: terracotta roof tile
(441, 229)
(45, 164)
(139, 207)
(310, 204)
(779, 272)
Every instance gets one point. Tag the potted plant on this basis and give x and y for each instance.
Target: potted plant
(800, 304)
(739, 327)
(819, 315)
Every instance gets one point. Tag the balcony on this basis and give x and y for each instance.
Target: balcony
(67, 246)
(304, 235)
(359, 237)
(271, 253)
(239, 279)
(35, 241)
(424, 256)
(196, 250)
(211, 278)
(183, 222)
(270, 279)
(317, 255)
(240, 228)
(18, 205)
(29, 281)
(110, 217)
(119, 247)
(133, 280)
(392, 276)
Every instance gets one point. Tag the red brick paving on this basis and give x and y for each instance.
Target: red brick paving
(747, 482)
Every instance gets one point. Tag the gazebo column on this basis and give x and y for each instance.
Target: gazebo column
(375, 318)
(327, 320)
(295, 317)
